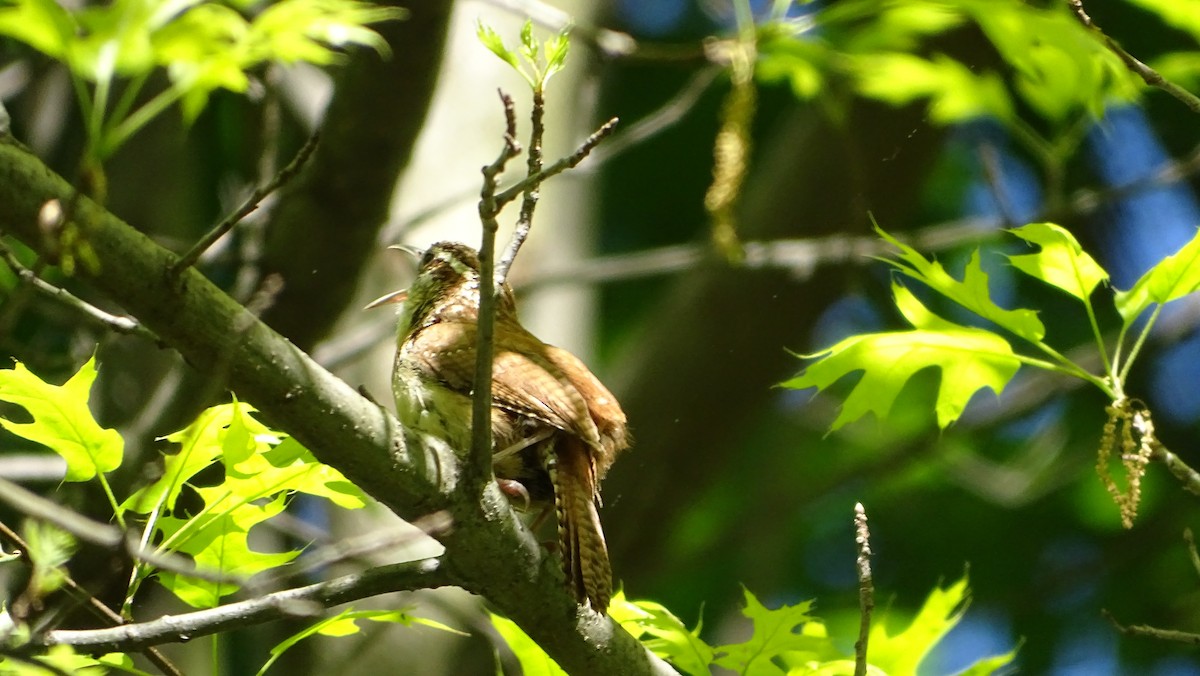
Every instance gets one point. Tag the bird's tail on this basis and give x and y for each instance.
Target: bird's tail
(580, 536)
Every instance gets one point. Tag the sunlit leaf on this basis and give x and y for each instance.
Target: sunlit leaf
(1062, 262)
(49, 550)
(776, 632)
(955, 92)
(492, 40)
(62, 421)
(972, 292)
(345, 624)
(663, 634)
(902, 652)
(218, 543)
(970, 359)
(41, 24)
(1181, 14)
(1174, 277)
(534, 661)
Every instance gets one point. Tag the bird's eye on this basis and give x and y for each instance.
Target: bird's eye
(426, 258)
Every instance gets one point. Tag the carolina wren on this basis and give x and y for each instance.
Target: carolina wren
(555, 428)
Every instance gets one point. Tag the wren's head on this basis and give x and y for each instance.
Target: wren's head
(446, 288)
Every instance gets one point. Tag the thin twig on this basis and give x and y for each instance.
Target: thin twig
(1187, 476)
(568, 162)
(1146, 631)
(309, 601)
(866, 588)
(362, 546)
(94, 604)
(121, 324)
(489, 208)
(1191, 545)
(247, 207)
(537, 118)
(1148, 74)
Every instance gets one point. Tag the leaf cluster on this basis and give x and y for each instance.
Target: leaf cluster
(784, 640)
(203, 46)
(183, 512)
(535, 62)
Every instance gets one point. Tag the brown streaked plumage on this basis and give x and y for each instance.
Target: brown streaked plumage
(556, 429)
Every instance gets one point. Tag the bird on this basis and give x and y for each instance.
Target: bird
(556, 429)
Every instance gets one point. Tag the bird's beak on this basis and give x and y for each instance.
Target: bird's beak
(401, 295)
(393, 297)
(415, 251)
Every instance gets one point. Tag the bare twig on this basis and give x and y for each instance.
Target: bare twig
(309, 601)
(92, 603)
(247, 207)
(369, 543)
(866, 588)
(533, 193)
(489, 208)
(1187, 476)
(1146, 631)
(1149, 75)
(1190, 539)
(121, 324)
(568, 162)
(663, 118)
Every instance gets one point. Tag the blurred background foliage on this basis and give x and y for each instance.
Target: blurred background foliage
(947, 120)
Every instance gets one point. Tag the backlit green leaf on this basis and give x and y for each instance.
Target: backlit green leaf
(902, 652)
(776, 632)
(62, 421)
(1061, 262)
(971, 293)
(970, 359)
(663, 634)
(1174, 277)
(534, 661)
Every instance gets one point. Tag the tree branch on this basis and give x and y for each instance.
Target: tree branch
(1148, 74)
(488, 551)
(310, 601)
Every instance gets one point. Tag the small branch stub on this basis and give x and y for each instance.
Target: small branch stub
(866, 588)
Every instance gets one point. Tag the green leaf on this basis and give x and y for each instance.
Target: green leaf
(556, 54)
(902, 653)
(200, 444)
(955, 92)
(534, 661)
(970, 359)
(41, 24)
(49, 550)
(345, 624)
(260, 470)
(1179, 14)
(492, 40)
(971, 293)
(668, 637)
(66, 660)
(1060, 68)
(62, 420)
(219, 544)
(308, 30)
(1174, 277)
(776, 632)
(529, 46)
(1061, 263)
